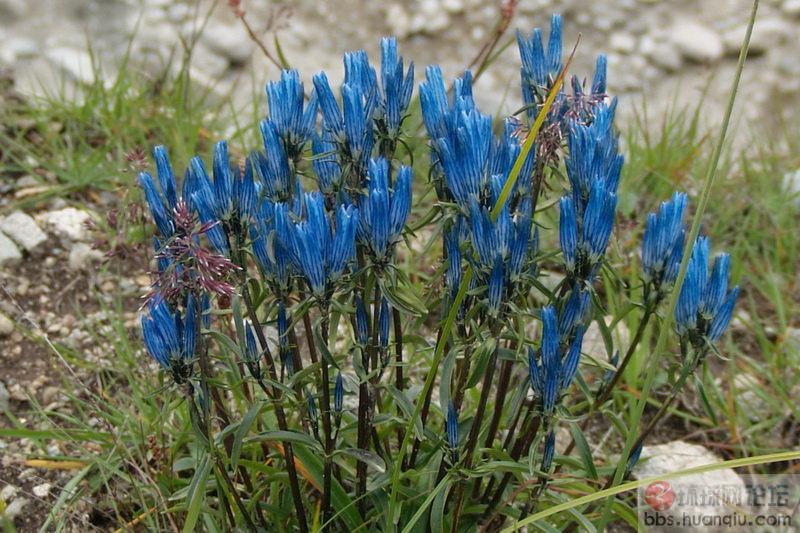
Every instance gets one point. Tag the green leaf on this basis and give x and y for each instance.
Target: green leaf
(402, 401)
(584, 450)
(346, 510)
(196, 494)
(242, 431)
(480, 359)
(402, 297)
(444, 483)
(438, 509)
(294, 437)
(367, 457)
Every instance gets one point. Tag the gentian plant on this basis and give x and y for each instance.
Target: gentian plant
(283, 311)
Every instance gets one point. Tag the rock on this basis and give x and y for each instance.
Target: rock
(791, 7)
(21, 48)
(82, 256)
(8, 492)
(453, 6)
(22, 229)
(14, 509)
(594, 346)
(747, 397)
(228, 41)
(9, 253)
(13, 8)
(621, 42)
(6, 326)
(40, 491)
(767, 34)
(678, 455)
(697, 42)
(398, 20)
(5, 396)
(77, 64)
(430, 18)
(208, 62)
(68, 223)
(663, 54)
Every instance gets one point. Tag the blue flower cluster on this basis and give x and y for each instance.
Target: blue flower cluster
(662, 244)
(705, 304)
(171, 336)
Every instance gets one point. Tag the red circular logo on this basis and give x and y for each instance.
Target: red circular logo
(659, 495)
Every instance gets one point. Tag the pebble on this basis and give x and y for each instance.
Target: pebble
(21, 48)
(68, 223)
(663, 54)
(625, 43)
(5, 396)
(40, 491)
(82, 256)
(678, 455)
(6, 326)
(14, 509)
(77, 64)
(398, 20)
(697, 42)
(23, 230)
(791, 7)
(7, 492)
(9, 253)
(767, 34)
(229, 41)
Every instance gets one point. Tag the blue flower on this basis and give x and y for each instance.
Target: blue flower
(705, 305)
(317, 250)
(273, 166)
(294, 120)
(170, 338)
(384, 318)
(452, 426)
(326, 164)
(598, 221)
(383, 213)
(283, 339)
(338, 395)
(573, 357)
(452, 245)
(362, 322)
(662, 244)
(251, 352)
(549, 451)
(574, 311)
(539, 67)
(351, 126)
(271, 255)
(464, 153)
(396, 87)
(166, 177)
(155, 202)
(693, 288)
(436, 107)
(568, 233)
(594, 155)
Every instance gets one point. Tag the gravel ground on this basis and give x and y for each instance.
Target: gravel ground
(668, 50)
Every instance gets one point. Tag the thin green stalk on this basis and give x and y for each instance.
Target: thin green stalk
(661, 343)
(327, 475)
(392, 514)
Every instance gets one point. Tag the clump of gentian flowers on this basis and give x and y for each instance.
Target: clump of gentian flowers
(277, 280)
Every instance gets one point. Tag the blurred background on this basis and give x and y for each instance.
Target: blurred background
(671, 51)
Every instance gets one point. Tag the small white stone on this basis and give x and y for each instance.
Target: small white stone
(42, 490)
(453, 6)
(663, 54)
(82, 256)
(398, 20)
(6, 326)
(679, 455)
(622, 42)
(791, 7)
(22, 48)
(69, 223)
(9, 253)
(791, 182)
(767, 34)
(22, 229)
(77, 64)
(8, 492)
(228, 41)
(14, 509)
(697, 42)
(5, 396)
